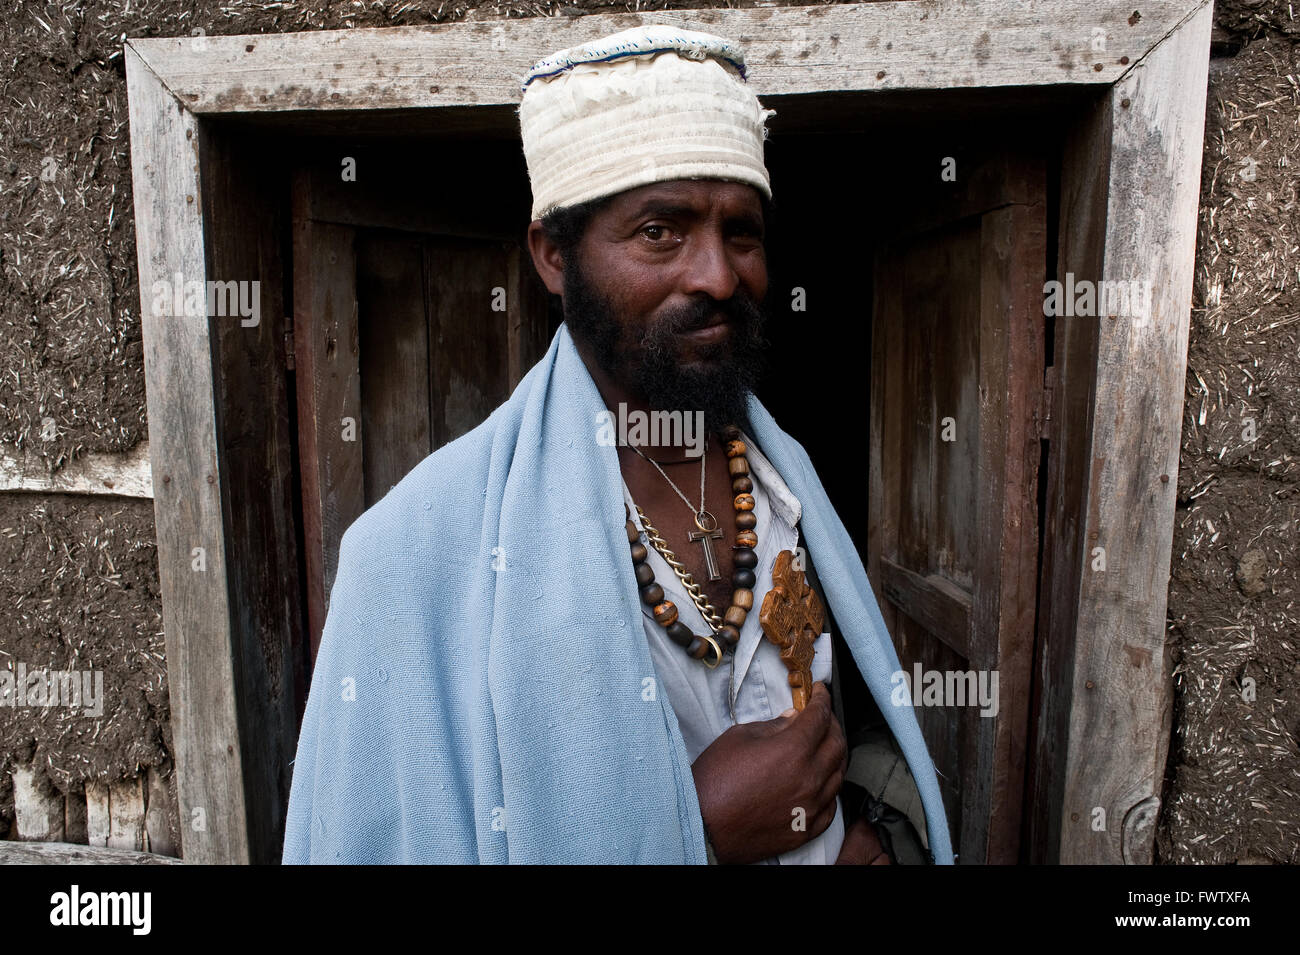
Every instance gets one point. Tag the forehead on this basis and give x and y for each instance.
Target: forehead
(697, 197)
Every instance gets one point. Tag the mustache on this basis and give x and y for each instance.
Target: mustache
(740, 310)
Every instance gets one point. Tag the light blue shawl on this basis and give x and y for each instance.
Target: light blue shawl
(483, 690)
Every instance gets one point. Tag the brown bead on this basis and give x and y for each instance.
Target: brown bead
(632, 533)
(742, 485)
(639, 553)
(746, 520)
(738, 467)
(666, 613)
(729, 633)
(744, 599)
(679, 633)
(744, 557)
(731, 433)
(652, 594)
(743, 502)
(697, 648)
(736, 448)
(747, 539)
(735, 616)
(644, 575)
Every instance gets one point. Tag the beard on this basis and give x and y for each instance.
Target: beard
(647, 362)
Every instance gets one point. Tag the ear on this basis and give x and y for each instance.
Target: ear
(547, 258)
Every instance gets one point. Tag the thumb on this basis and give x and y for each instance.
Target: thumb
(776, 724)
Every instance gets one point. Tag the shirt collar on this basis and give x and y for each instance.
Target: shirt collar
(782, 500)
(779, 496)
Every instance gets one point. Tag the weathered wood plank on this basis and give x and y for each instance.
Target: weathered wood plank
(327, 368)
(1084, 161)
(884, 461)
(247, 216)
(789, 50)
(98, 822)
(158, 799)
(126, 814)
(394, 330)
(468, 339)
(197, 616)
(38, 807)
(64, 853)
(123, 475)
(1120, 676)
(528, 331)
(1014, 258)
(937, 604)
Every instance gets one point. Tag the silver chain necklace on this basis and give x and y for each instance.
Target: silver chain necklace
(700, 514)
(712, 523)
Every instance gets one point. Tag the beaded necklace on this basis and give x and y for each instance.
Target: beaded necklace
(726, 629)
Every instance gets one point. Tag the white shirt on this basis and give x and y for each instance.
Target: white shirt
(699, 695)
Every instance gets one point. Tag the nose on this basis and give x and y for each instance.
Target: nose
(709, 268)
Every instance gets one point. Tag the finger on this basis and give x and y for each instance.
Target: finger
(873, 850)
(830, 788)
(777, 724)
(822, 820)
(816, 717)
(857, 847)
(831, 756)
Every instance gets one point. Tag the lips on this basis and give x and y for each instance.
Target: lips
(715, 332)
(713, 323)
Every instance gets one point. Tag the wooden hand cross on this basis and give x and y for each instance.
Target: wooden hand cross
(792, 617)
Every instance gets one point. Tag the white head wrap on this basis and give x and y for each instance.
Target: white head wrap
(646, 105)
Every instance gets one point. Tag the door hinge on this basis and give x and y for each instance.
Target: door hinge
(288, 342)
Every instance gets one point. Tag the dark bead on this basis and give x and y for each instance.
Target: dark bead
(696, 649)
(639, 553)
(632, 532)
(645, 574)
(730, 634)
(652, 594)
(744, 557)
(746, 520)
(744, 579)
(742, 485)
(679, 633)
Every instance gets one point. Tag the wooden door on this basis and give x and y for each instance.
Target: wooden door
(956, 388)
(410, 325)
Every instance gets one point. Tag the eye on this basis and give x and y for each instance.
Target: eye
(658, 234)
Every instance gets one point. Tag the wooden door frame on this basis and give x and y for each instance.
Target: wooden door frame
(1129, 181)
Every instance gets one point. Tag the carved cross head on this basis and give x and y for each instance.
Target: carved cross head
(792, 617)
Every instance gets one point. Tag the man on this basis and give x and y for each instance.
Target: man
(544, 645)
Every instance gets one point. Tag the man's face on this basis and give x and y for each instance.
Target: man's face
(669, 291)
